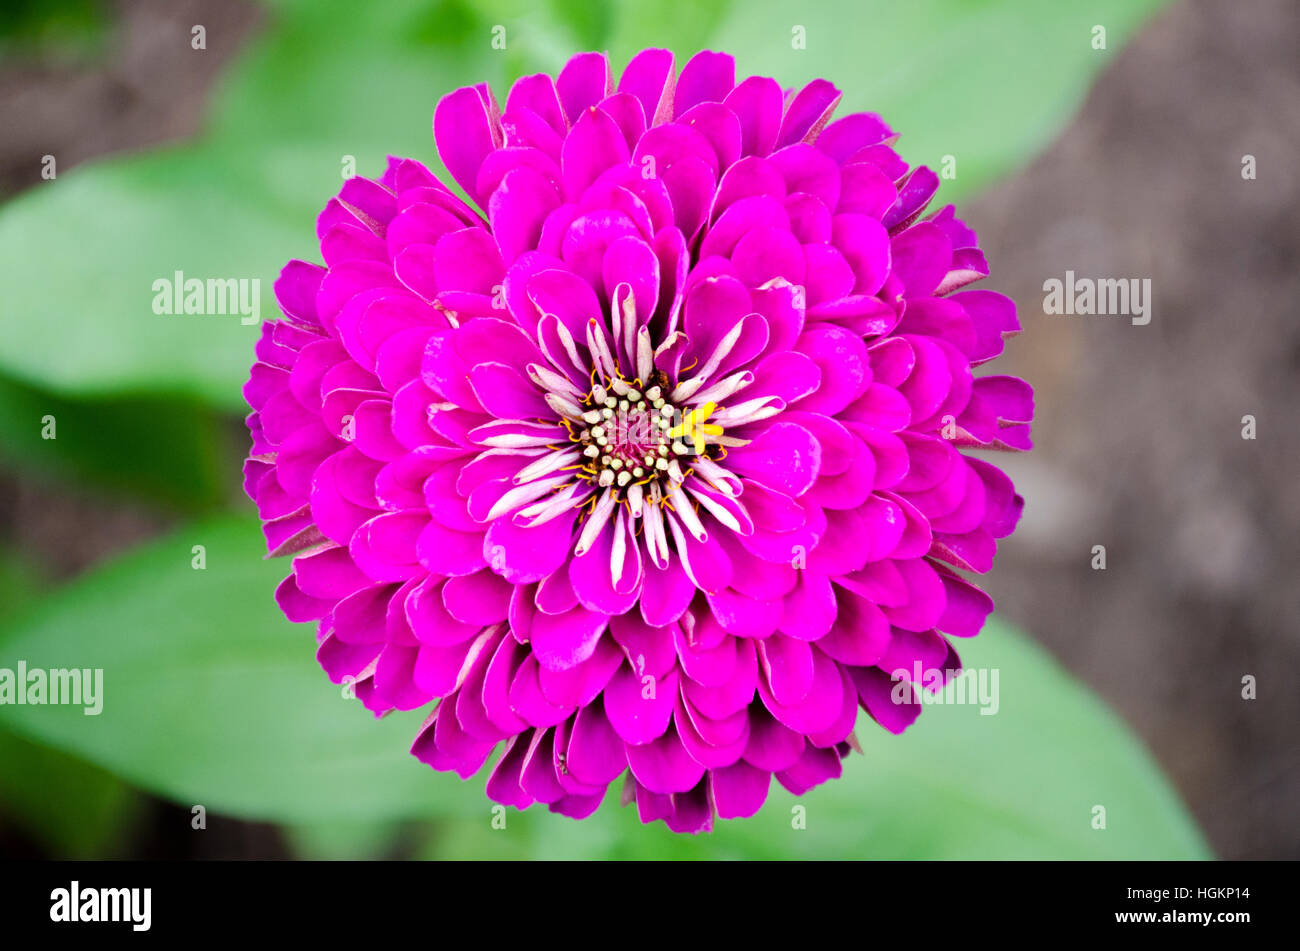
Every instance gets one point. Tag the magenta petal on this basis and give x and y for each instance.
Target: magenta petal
(500, 674)
(595, 144)
(758, 102)
(809, 610)
(865, 245)
(626, 110)
(914, 195)
(527, 699)
(706, 77)
(386, 547)
(921, 257)
(860, 635)
(577, 807)
(537, 776)
(772, 745)
(361, 617)
(709, 667)
(850, 134)
(429, 620)
(505, 393)
(468, 260)
(745, 616)
(562, 641)
(445, 551)
(639, 707)
(419, 224)
(470, 708)
(555, 594)
(297, 606)
(768, 253)
(785, 457)
(690, 182)
(822, 703)
(842, 359)
(582, 83)
(596, 753)
(738, 220)
(649, 77)
(567, 296)
(480, 598)
(864, 189)
(593, 581)
(444, 745)
(394, 682)
(649, 649)
(579, 685)
(788, 375)
(663, 765)
(503, 785)
(893, 703)
(706, 562)
(697, 735)
(521, 555)
(537, 93)
(787, 668)
(629, 260)
(296, 289)
(920, 656)
(691, 812)
(808, 113)
(518, 208)
(464, 131)
(330, 573)
(839, 730)
(738, 790)
(440, 670)
(665, 593)
(808, 171)
(651, 806)
(722, 701)
(814, 767)
(926, 596)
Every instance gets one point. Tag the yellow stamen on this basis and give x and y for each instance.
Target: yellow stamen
(694, 427)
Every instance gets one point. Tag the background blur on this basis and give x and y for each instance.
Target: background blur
(1130, 166)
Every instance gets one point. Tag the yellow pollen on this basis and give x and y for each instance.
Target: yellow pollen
(694, 427)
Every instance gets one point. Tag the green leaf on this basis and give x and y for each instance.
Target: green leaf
(989, 84)
(683, 26)
(210, 698)
(326, 93)
(343, 839)
(1021, 783)
(986, 83)
(67, 29)
(70, 808)
(20, 584)
(166, 451)
(79, 318)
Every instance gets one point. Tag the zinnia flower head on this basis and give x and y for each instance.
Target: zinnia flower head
(646, 462)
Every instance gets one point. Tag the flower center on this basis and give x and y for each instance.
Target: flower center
(632, 436)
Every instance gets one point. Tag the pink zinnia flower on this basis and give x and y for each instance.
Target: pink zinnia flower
(654, 469)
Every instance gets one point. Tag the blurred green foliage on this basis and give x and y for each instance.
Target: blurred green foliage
(986, 83)
(52, 28)
(211, 697)
(173, 452)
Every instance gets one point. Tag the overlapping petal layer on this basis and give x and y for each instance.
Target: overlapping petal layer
(647, 461)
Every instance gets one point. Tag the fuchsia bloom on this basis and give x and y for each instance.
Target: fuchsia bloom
(654, 469)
